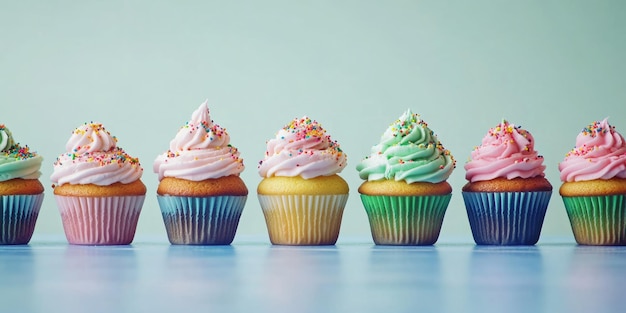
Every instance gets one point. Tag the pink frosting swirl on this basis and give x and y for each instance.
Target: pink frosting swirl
(507, 151)
(201, 150)
(600, 153)
(93, 157)
(303, 149)
(90, 138)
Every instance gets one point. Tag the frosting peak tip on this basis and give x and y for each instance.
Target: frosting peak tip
(200, 150)
(303, 142)
(599, 153)
(408, 150)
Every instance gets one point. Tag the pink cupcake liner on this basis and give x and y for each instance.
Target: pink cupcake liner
(18, 215)
(100, 220)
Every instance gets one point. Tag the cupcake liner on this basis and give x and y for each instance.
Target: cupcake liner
(598, 220)
(506, 218)
(100, 220)
(201, 220)
(303, 219)
(405, 220)
(18, 215)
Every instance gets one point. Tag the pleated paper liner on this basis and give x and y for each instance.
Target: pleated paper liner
(201, 220)
(405, 220)
(598, 220)
(18, 215)
(506, 218)
(303, 219)
(100, 220)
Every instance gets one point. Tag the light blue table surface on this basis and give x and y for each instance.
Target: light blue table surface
(353, 276)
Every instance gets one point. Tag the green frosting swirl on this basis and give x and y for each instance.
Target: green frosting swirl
(6, 139)
(409, 151)
(17, 161)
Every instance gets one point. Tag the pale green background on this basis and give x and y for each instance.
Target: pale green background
(142, 67)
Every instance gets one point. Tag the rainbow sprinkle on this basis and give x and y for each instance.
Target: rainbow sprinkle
(404, 126)
(504, 130)
(595, 129)
(19, 152)
(115, 156)
(213, 131)
(96, 127)
(307, 129)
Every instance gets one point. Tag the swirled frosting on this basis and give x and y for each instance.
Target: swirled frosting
(93, 157)
(17, 161)
(507, 151)
(600, 153)
(201, 150)
(408, 150)
(302, 148)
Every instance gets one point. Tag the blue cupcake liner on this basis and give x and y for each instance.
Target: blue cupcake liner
(201, 220)
(506, 218)
(18, 215)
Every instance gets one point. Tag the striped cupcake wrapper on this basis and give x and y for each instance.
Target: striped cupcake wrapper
(506, 218)
(599, 220)
(405, 220)
(18, 215)
(303, 219)
(201, 220)
(100, 220)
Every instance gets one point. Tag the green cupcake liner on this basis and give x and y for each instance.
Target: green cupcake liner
(598, 220)
(405, 220)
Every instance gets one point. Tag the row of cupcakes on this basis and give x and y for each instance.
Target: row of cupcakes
(99, 193)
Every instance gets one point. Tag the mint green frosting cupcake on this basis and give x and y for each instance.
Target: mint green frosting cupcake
(21, 192)
(405, 193)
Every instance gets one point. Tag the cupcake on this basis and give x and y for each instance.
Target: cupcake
(507, 195)
(301, 195)
(21, 192)
(405, 193)
(594, 186)
(97, 188)
(200, 193)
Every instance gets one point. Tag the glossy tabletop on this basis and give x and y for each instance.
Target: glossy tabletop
(353, 276)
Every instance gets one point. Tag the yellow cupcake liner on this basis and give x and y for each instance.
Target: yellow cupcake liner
(303, 219)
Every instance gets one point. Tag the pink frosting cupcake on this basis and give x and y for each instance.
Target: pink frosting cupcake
(98, 188)
(200, 193)
(594, 185)
(301, 195)
(507, 195)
